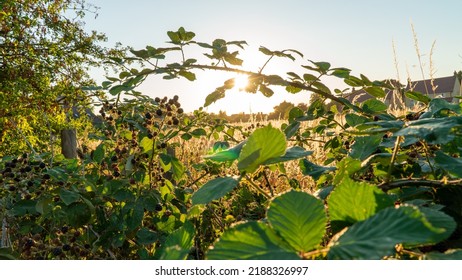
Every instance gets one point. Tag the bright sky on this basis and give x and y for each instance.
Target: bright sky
(354, 34)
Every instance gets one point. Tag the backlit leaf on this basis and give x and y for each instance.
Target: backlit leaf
(299, 218)
(214, 189)
(251, 241)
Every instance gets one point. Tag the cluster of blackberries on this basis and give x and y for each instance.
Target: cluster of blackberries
(24, 176)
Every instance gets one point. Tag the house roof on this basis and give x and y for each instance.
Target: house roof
(444, 84)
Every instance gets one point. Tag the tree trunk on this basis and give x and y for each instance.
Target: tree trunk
(69, 143)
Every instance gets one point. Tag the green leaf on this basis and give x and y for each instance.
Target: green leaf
(351, 202)
(374, 106)
(432, 130)
(263, 144)
(365, 146)
(188, 75)
(293, 89)
(310, 169)
(214, 189)
(8, 254)
(219, 93)
(454, 254)
(439, 219)
(266, 91)
(251, 241)
(418, 97)
(230, 154)
(354, 120)
(341, 72)
(375, 91)
(146, 236)
(295, 152)
(377, 236)
(68, 197)
(299, 218)
(450, 164)
(177, 167)
(179, 243)
(291, 129)
(78, 214)
(198, 132)
(98, 154)
(146, 144)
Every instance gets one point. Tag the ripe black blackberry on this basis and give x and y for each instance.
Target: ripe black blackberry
(158, 207)
(148, 115)
(57, 251)
(42, 165)
(159, 112)
(66, 247)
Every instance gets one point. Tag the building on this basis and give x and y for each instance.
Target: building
(445, 87)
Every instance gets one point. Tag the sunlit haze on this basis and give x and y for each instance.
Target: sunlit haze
(358, 35)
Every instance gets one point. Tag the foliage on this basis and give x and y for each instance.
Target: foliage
(387, 186)
(45, 55)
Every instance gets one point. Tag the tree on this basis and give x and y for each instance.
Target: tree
(44, 59)
(282, 110)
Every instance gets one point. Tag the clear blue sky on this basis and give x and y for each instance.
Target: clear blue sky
(353, 34)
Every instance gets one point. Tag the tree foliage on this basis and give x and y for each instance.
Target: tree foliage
(45, 55)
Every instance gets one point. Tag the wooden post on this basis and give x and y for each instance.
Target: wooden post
(69, 143)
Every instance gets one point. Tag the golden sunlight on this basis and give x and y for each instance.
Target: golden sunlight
(241, 81)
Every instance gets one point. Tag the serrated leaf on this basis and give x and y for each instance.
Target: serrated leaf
(230, 154)
(293, 89)
(310, 169)
(354, 120)
(219, 93)
(146, 236)
(68, 197)
(291, 129)
(449, 164)
(214, 189)
(351, 202)
(364, 146)
(188, 75)
(266, 91)
(374, 106)
(146, 144)
(251, 241)
(377, 236)
(292, 153)
(375, 91)
(178, 243)
(263, 144)
(453, 254)
(418, 97)
(299, 218)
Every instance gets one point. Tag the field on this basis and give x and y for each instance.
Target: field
(106, 172)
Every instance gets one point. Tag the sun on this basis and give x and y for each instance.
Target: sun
(241, 81)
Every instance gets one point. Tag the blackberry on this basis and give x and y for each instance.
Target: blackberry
(157, 99)
(57, 251)
(114, 158)
(148, 115)
(175, 98)
(176, 121)
(46, 176)
(159, 112)
(66, 247)
(150, 135)
(64, 229)
(163, 145)
(180, 111)
(42, 165)
(158, 207)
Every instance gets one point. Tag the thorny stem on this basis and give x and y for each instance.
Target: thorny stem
(386, 186)
(427, 151)
(393, 158)
(260, 190)
(268, 183)
(311, 254)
